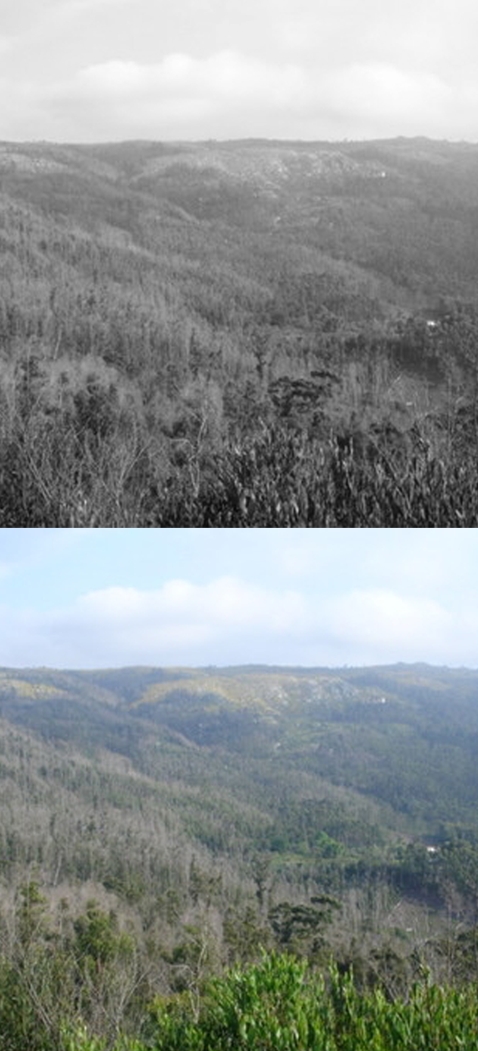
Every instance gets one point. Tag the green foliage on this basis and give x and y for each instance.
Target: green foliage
(139, 862)
(77, 1038)
(265, 1006)
(97, 938)
(294, 924)
(278, 1005)
(63, 984)
(18, 1020)
(30, 913)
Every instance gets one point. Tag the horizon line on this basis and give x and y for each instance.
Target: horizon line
(245, 666)
(242, 139)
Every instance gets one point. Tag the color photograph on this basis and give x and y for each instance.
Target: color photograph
(239, 790)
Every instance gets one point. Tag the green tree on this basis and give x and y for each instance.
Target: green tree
(303, 925)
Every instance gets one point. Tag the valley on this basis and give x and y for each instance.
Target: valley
(244, 334)
(160, 825)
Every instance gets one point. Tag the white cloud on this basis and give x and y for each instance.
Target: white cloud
(179, 622)
(102, 69)
(222, 95)
(223, 604)
(231, 621)
(231, 94)
(222, 76)
(383, 91)
(388, 622)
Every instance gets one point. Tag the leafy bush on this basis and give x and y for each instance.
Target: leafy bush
(278, 1005)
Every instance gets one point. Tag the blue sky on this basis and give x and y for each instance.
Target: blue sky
(102, 598)
(92, 70)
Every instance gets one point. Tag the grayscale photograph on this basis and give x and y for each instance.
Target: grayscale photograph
(238, 263)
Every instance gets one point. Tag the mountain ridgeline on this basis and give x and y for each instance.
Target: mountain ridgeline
(248, 333)
(336, 774)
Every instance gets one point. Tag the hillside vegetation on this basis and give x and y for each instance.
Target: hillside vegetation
(238, 334)
(165, 829)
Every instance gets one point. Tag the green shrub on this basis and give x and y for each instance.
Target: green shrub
(279, 1005)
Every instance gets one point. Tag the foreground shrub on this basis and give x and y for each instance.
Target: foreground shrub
(278, 1005)
(53, 475)
(279, 478)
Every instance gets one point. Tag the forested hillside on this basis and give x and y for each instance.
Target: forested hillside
(247, 333)
(160, 825)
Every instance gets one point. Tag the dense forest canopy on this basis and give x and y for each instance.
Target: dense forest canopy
(238, 333)
(160, 825)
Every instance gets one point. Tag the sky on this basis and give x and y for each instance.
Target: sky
(97, 598)
(111, 70)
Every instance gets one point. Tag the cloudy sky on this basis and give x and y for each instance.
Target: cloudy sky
(93, 70)
(109, 598)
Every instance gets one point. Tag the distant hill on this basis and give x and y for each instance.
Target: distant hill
(402, 738)
(396, 217)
